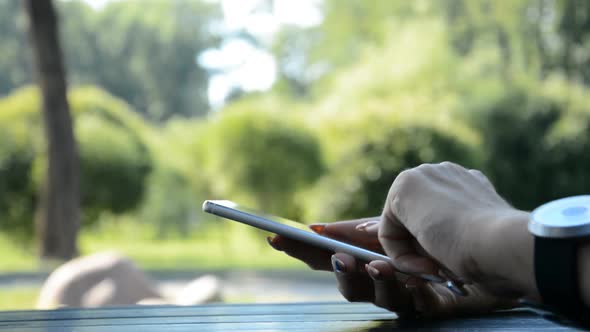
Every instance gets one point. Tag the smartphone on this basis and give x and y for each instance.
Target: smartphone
(299, 232)
(287, 228)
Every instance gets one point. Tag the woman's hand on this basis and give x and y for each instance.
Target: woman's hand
(378, 282)
(445, 220)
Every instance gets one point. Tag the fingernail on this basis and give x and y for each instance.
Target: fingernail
(273, 243)
(318, 228)
(373, 272)
(431, 277)
(363, 226)
(338, 265)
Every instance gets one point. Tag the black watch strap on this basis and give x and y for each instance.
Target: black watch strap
(556, 273)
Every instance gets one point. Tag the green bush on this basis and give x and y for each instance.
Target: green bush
(16, 189)
(261, 159)
(114, 166)
(358, 182)
(171, 204)
(178, 183)
(114, 158)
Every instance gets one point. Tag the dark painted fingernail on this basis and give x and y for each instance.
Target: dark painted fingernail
(273, 243)
(338, 265)
(318, 228)
(362, 227)
(373, 272)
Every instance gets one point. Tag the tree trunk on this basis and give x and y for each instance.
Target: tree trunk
(59, 209)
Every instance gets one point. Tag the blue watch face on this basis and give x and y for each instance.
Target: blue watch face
(569, 216)
(574, 212)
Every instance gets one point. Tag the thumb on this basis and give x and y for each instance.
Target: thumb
(402, 247)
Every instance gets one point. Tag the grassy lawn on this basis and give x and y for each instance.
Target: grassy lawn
(18, 298)
(216, 245)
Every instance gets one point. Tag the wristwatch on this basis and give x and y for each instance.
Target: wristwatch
(559, 226)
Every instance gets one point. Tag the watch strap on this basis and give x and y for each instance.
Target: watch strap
(556, 274)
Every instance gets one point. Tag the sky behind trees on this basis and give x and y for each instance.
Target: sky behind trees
(240, 63)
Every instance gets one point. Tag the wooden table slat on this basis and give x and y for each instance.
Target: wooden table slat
(258, 317)
(179, 311)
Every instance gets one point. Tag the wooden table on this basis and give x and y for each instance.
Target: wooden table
(257, 317)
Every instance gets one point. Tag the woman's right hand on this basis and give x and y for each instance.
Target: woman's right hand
(378, 282)
(439, 221)
(445, 220)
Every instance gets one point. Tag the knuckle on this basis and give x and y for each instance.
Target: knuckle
(448, 164)
(405, 179)
(478, 173)
(425, 167)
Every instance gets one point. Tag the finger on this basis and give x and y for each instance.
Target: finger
(390, 292)
(319, 259)
(398, 243)
(315, 258)
(425, 299)
(319, 227)
(450, 275)
(370, 228)
(353, 282)
(347, 231)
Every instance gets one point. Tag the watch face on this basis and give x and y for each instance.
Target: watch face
(563, 218)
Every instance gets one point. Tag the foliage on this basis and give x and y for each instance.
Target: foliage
(14, 65)
(179, 183)
(357, 182)
(261, 158)
(377, 87)
(16, 188)
(143, 52)
(113, 156)
(171, 204)
(535, 137)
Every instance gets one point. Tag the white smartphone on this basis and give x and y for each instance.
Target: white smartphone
(287, 228)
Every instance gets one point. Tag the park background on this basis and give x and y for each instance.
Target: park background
(305, 109)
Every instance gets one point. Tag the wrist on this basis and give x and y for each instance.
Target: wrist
(504, 255)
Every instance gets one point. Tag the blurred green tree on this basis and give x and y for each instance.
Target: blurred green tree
(262, 159)
(306, 55)
(535, 136)
(357, 184)
(15, 66)
(114, 157)
(144, 52)
(179, 181)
